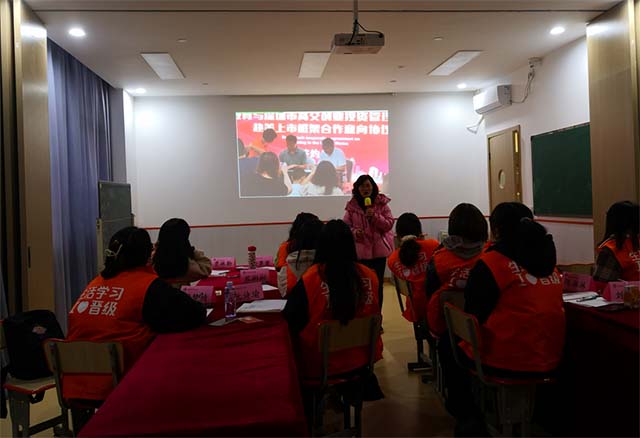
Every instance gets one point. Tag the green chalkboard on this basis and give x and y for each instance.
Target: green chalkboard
(561, 162)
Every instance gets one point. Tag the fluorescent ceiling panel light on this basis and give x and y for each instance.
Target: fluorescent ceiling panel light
(164, 65)
(456, 61)
(313, 64)
(557, 30)
(462, 86)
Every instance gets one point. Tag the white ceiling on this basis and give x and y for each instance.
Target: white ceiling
(255, 47)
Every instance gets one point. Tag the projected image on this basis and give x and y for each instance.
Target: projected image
(310, 153)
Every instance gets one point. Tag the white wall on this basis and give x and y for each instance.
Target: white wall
(184, 164)
(559, 98)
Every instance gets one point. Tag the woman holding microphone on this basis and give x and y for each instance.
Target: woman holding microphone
(371, 222)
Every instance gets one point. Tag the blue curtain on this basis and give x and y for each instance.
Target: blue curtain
(79, 128)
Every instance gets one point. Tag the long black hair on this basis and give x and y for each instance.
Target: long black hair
(298, 222)
(356, 189)
(325, 176)
(622, 221)
(307, 237)
(337, 252)
(408, 224)
(173, 251)
(505, 218)
(129, 248)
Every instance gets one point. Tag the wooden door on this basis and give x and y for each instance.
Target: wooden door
(505, 183)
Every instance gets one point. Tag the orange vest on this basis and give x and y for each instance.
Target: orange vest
(628, 259)
(310, 360)
(109, 310)
(525, 332)
(416, 276)
(453, 272)
(283, 252)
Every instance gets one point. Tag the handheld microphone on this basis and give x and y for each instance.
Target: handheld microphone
(367, 202)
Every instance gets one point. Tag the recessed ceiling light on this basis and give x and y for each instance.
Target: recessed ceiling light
(557, 30)
(138, 90)
(77, 32)
(462, 86)
(438, 38)
(182, 40)
(454, 62)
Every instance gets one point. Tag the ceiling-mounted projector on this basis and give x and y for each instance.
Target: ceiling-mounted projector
(357, 44)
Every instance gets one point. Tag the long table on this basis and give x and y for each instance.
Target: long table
(599, 378)
(235, 380)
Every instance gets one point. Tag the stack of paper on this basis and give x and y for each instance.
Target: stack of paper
(262, 306)
(219, 272)
(578, 296)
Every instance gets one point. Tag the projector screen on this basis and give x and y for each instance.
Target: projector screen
(310, 153)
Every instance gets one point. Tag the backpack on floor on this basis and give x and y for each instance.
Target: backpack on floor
(25, 333)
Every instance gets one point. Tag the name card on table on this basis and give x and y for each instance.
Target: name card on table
(223, 262)
(254, 275)
(576, 282)
(262, 261)
(248, 292)
(614, 291)
(203, 294)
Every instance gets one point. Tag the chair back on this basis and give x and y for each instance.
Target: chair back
(359, 332)
(403, 288)
(83, 357)
(464, 326)
(578, 268)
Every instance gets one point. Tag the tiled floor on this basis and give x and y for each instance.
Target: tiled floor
(410, 408)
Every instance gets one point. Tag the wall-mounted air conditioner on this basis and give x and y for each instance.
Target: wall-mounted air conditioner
(492, 98)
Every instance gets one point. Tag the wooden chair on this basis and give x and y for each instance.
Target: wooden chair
(82, 357)
(22, 394)
(335, 337)
(420, 330)
(505, 403)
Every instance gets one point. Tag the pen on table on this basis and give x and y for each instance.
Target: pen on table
(587, 299)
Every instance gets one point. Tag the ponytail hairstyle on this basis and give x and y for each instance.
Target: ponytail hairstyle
(173, 251)
(307, 237)
(534, 248)
(337, 253)
(300, 220)
(408, 229)
(129, 248)
(505, 218)
(622, 222)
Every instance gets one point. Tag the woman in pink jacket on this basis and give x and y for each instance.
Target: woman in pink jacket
(371, 222)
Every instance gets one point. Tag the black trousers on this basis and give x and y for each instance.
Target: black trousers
(379, 265)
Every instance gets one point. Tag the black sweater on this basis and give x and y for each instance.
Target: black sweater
(167, 310)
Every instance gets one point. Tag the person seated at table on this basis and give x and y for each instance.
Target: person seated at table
(126, 303)
(619, 251)
(301, 257)
(324, 181)
(285, 247)
(174, 259)
(336, 288)
(450, 265)
(268, 179)
(294, 157)
(409, 262)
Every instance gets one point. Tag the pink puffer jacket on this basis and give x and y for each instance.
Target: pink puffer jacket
(377, 240)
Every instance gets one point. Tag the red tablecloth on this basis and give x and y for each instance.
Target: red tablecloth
(236, 380)
(599, 381)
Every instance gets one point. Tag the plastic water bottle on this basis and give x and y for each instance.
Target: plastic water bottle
(229, 301)
(251, 257)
